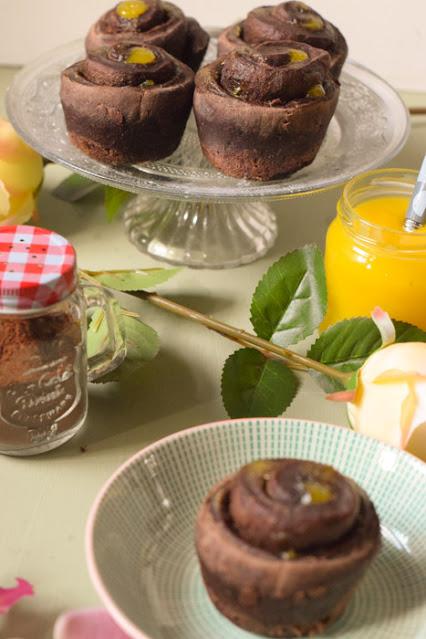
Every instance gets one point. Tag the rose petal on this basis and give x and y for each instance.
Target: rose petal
(87, 624)
(385, 325)
(342, 396)
(12, 147)
(4, 200)
(398, 377)
(22, 176)
(21, 210)
(410, 403)
(10, 596)
(408, 413)
(9, 143)
(392, 405)
(21, 168)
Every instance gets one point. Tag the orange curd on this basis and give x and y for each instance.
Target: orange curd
(370, 260)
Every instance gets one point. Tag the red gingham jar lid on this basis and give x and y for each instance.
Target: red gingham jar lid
(38, 268)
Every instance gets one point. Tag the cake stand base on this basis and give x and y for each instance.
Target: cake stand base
(200, 234)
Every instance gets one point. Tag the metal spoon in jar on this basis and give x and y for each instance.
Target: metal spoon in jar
(416, 214)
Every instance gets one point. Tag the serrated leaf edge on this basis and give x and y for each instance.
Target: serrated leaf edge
(253, 349)
(304, 332)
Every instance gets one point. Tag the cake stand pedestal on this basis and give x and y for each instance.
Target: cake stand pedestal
(186, 212)
(200, 234)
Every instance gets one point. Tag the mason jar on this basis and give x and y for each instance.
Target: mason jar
(44, 369)
(370, 259)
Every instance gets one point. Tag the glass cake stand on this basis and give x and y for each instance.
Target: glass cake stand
(186, 212)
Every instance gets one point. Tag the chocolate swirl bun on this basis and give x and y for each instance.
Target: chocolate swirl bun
(294, 21)
(282, 545)
(151, 22)
(263, 112)
(127, 103)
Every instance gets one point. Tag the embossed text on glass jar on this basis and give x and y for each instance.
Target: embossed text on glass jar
(43, 377)
(43, 360)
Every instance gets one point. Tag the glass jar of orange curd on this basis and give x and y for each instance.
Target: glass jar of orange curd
(370, 260)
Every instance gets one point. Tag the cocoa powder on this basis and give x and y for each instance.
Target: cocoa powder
(27, 344)
(42, 379)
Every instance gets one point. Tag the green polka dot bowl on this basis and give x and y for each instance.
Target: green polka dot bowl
(140, 533)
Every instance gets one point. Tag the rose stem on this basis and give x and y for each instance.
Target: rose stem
(240, 336)
(417, 111)
(267, 354)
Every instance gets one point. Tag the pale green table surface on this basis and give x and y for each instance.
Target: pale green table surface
(45, 500)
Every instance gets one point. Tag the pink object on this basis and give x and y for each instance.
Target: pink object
(87, 624)
(385, 325)
(10, 596)
(37, 268)
(342, 396)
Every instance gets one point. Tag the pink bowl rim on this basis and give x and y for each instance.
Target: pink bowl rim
(116, 613)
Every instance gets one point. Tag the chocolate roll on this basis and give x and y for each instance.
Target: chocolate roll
(283, 543)
(127, 103)
(151, 22)
(263, 112)
(294, 21)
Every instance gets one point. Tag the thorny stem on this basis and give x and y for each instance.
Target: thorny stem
(267, 354)
(242, 337)
(293, 360)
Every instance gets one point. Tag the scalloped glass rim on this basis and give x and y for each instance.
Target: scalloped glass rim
(370, 127)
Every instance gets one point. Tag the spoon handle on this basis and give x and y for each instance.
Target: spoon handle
(416, 214)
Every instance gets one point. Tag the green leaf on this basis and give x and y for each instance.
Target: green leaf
(115, 199)
(134, 280)
(290, 301)
(142, 344)
(352, 382)
(346, 346)
(254, 386)
(74, 188)
(97, 333)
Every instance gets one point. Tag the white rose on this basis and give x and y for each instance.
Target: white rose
(390, 400)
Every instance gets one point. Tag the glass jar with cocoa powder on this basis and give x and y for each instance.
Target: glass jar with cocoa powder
(43, 361)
